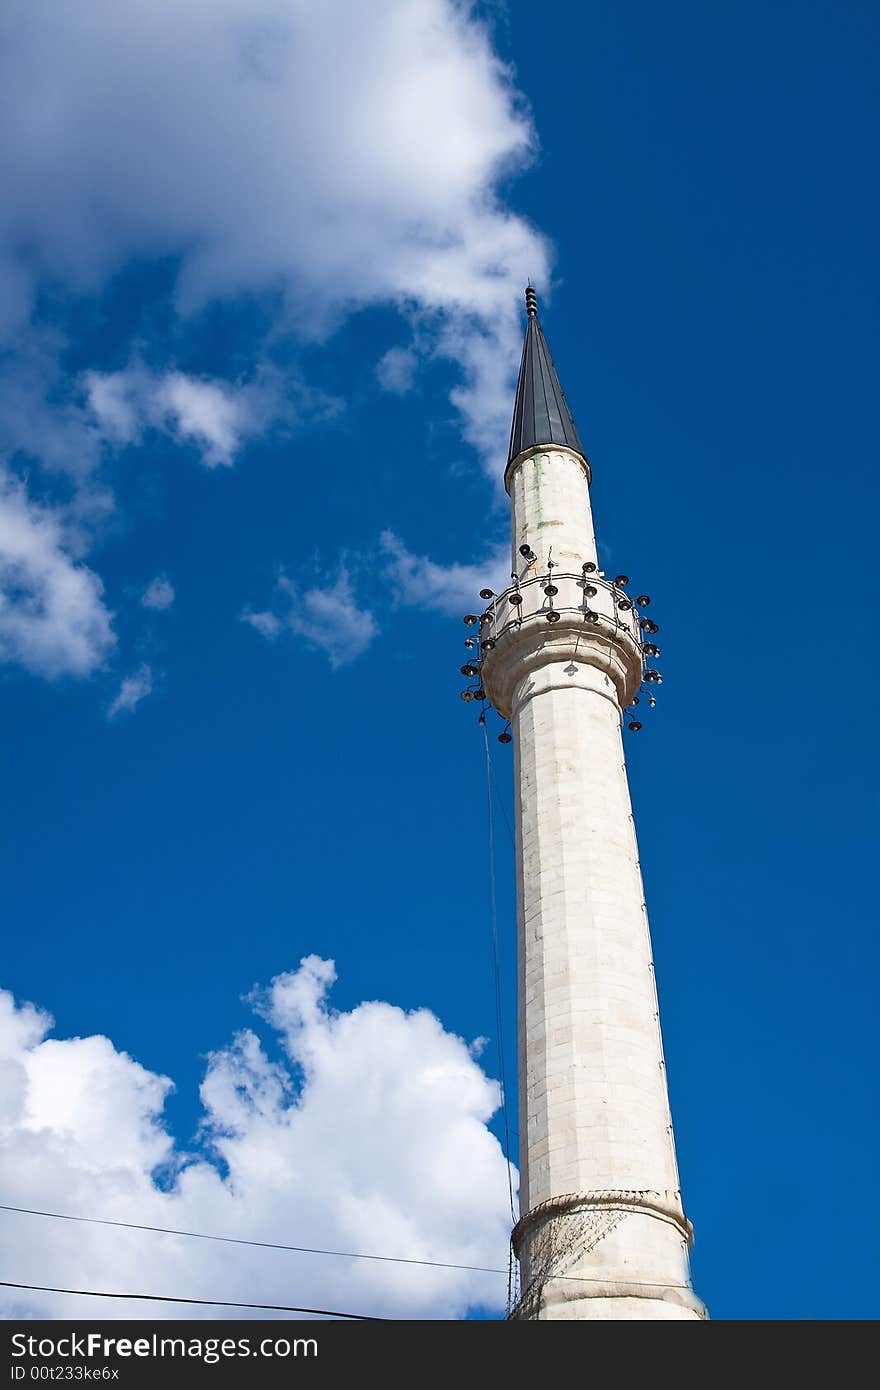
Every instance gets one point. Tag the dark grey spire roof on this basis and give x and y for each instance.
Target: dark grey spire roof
(540, 414)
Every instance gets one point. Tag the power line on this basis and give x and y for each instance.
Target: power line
(500, 800)
(272, 1245)
(499, 1011)
(203, 1302)
(496, 962)
(240, 1240)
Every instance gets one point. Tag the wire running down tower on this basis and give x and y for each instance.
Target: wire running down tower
(564, 655)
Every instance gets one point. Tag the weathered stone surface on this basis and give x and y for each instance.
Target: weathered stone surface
(603, 1234)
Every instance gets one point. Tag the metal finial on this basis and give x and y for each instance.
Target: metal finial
(531, 302)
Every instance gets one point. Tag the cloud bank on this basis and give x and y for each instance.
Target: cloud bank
(342, 154)
(368, 1134)
(320, 155)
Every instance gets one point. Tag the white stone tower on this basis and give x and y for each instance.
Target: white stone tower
(563, 652)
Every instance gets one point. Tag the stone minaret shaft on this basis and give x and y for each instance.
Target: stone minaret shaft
(602, 1232)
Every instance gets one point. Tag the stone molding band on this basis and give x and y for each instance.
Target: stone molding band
(660, 1205)
(682, 1295)
(535, 647)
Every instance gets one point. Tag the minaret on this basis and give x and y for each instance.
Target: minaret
(564, 653)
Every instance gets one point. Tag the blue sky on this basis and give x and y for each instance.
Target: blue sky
(261, 304)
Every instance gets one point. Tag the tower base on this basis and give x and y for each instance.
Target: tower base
(606, 1256)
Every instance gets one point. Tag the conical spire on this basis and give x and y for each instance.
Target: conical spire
(540, 414)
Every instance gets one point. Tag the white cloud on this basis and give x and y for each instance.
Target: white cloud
(452, 589)
(335, 620)
(370, 1135)
(114, 406)
(344, 154)
(397, 369)
(213, 416)
(328, 617)
(207, 413)
(40, 416)
(53, 620)
(324, 157)
(159, 593)
(133, 689)
(266, 624)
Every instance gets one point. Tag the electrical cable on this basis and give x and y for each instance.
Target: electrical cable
(499, 1012)
(271, 1245)
(239, 1240)
(493, 907)
(203, 1302)
(499, 798)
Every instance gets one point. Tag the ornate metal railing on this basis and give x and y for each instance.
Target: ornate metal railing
(563, 597)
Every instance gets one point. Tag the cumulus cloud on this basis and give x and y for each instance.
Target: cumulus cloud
(205, 412)
(320, 157)
(159, 593)
(53, 620)
(369, 1135)
(340, 153)
(451, 589)
(133, 689)
(328, 617)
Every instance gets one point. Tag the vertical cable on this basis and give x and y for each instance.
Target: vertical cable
(493, 908)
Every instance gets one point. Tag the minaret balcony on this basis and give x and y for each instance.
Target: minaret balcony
(577, 619)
